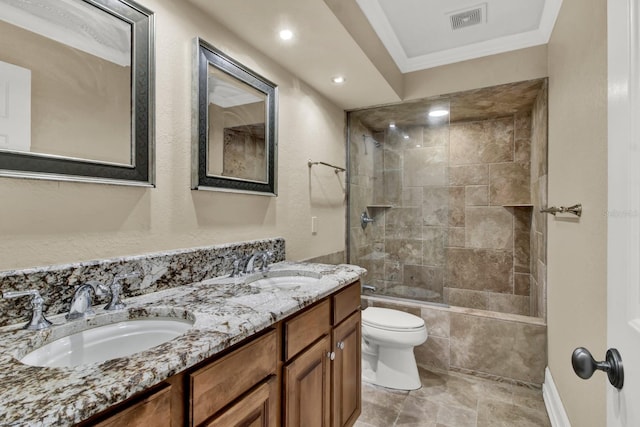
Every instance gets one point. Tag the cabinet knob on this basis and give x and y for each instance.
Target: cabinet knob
(331, 355)
(340, 345)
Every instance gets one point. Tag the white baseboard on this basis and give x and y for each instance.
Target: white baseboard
(555, 409)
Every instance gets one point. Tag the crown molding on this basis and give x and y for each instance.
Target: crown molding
(375, 14)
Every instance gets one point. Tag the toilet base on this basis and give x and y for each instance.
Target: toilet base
(394, 368)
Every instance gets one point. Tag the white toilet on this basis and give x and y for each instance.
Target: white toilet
(388, 338)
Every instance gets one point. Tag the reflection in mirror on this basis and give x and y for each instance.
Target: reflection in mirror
(235, 138)
(71, 107)
(236, 129)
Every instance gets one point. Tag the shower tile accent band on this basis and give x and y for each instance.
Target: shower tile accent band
(156, 271)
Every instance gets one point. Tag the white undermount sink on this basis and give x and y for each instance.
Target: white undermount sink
(107, 342)
(284, 280)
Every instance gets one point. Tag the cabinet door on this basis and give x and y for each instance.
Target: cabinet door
(345, 372)
(257, 409)
(307, 387)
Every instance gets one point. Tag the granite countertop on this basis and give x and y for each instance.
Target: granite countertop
(224, 310)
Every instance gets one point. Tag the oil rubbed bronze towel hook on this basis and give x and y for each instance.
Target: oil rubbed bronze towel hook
(575, 209)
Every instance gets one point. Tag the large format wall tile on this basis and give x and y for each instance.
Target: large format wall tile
(391, 188)
(491, 301)
(403, 223)
(510, 184)
(489, 141)
(479, 269)
(391, 160)
(510, 349)
(435, 209)
(425, 166)
(456, 206)
(476, 195)
(435, 136)
(469, 175)
(437, 321)
(489, 227)
(432, 174)
(434, 246)
(434, 352)
(408, 251)
(418, 276)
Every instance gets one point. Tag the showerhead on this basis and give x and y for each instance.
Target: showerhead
(372, 139)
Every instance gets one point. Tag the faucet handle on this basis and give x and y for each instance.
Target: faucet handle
(38, 321)
(115, 290)
(235, 267)
(266, 257)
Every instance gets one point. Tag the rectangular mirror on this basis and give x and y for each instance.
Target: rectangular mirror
(234, 145)
(76, 86)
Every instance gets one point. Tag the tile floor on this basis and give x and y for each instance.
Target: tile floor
(453, 400)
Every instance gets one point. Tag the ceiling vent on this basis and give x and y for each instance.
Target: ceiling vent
(468, 17)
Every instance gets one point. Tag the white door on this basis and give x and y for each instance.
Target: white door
(15, 107)
(623, 293)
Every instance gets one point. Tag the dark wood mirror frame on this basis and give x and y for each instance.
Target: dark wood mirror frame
(206, 55)
(141, 171)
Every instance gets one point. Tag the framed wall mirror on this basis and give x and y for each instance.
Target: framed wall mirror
(76, 91)
(235, 141)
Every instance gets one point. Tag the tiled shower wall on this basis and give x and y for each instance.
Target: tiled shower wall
(459, 226)
(503, 347)
(539, 199)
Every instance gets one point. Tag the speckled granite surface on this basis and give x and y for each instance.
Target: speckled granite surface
(225, 310)
(156, 271)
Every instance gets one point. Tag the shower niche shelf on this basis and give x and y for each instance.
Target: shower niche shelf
(379, 206)
(517, 205)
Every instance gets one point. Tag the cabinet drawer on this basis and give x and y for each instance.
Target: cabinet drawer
(258, 408)
(151, 410)
(217, 384)
(346, 302)
(305, 328)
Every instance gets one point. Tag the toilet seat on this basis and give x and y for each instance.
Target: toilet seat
(391, 320)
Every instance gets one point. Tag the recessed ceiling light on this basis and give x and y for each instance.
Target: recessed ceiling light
(405, 136)
(338, 79)
(418, 145)
(286, 34)
(438, 113)
(392, 125)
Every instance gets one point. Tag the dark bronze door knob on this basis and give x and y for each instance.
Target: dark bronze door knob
(584, 365)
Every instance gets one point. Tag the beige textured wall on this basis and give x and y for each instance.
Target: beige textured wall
(44, 222)
(515, 66)
(577, 255)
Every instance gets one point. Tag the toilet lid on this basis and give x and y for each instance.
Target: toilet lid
(387, 318)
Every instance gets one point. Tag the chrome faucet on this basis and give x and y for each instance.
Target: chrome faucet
(38, 321)
(82, 299)
(263, 256)
(368, 288)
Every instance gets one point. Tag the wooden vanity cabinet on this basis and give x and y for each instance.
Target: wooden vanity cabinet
(302, 372)
(321, 384)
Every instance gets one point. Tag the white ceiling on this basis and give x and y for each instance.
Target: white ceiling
(418, 33)
(320, 50)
